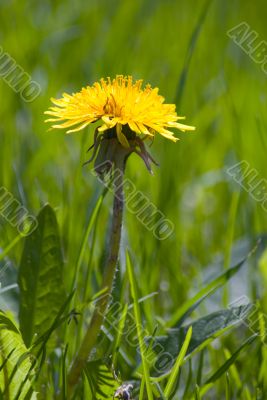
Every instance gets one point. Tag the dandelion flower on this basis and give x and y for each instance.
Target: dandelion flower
(126, 111)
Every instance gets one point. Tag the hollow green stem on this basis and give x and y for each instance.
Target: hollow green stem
(93, 329)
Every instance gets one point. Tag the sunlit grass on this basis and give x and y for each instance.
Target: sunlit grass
(65, 46)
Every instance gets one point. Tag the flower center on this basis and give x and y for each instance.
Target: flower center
(111, 107)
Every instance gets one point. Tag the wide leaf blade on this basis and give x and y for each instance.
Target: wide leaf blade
(40, 277)
(204, 329)
(15, 361)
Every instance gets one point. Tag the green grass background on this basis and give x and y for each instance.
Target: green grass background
(65, 45)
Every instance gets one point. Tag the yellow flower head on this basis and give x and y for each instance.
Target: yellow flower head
(119, 103)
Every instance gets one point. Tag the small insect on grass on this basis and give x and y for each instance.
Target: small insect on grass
(123, 392)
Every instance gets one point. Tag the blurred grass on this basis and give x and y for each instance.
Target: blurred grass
(66, 45)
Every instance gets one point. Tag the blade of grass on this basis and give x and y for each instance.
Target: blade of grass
(89, 228)
(227, 387)
(119, 334)
(190, 51)
(247, 394)
(138, 321)
(205, 389)
(232, 317)
(197, 393)
(233, 371)
(142, 388)
(175, 370)
(189, 380)
(225, 367)
(10, 247)
(200, 368)
(262, 331)
(159, 391)
(87, 285)
(6, 359)
(42, 340)
(9, 287)
(229, 240)
(64, 386)
(189, 306)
